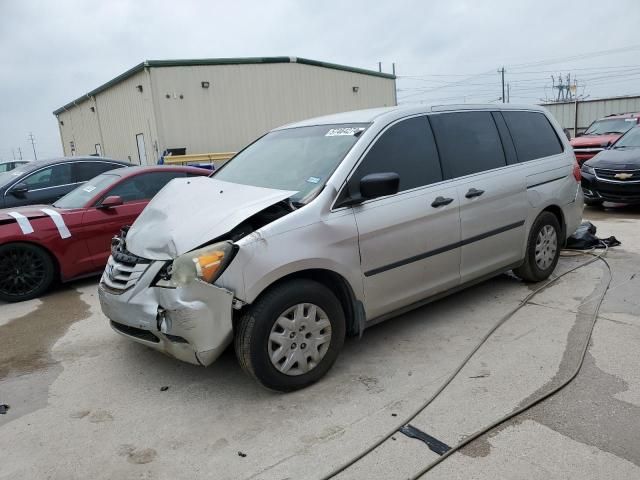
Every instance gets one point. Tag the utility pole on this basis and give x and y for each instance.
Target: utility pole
(20, 152)
(32, 139)
(13, 152)
(508, 92)
(501, 72)
(380, 66)
(393, 68)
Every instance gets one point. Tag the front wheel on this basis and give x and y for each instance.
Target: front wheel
(26, 272)
(291, 336)
(543, 249)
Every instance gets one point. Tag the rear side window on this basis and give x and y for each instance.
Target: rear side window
(143, 186)
(406, 148)
(532, 134)
(87, 170)
(468, 142)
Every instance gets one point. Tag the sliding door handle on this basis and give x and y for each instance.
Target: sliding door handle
(441, 201)
(474, 193)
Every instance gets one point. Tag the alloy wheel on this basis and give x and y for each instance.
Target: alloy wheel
(22, 271)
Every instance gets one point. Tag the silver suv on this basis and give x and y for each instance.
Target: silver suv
(322, 228)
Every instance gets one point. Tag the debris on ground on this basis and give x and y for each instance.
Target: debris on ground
(164, 389)
(4, 408)
(242, 454)
(584, 238)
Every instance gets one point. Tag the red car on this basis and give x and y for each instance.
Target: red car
(40, 244)
(601, 134)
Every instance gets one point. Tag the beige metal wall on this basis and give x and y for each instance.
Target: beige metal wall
(590, 110)
(121, 112)
(79, 126)
(241, 103)
(245, 101)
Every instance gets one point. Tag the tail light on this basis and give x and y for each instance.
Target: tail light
(576, 172)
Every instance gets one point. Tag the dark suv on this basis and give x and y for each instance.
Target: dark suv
(45, 181)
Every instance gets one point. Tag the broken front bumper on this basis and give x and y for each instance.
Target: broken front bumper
(191, 323)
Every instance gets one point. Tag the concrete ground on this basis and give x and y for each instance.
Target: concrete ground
(86, 403)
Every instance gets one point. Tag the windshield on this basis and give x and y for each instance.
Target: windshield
(613, 125)
(79, 197)
(299, 159)
(631, 139)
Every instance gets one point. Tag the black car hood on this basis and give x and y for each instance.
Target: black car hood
(621, 159)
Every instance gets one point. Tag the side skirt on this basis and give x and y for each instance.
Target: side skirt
(440, 295)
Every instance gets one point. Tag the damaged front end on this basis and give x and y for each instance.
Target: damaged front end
(161, 285)
(183, 314)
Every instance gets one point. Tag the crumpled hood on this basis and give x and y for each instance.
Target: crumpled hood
(188, 212)
(29, 211)
(594, 140)
(621, 159)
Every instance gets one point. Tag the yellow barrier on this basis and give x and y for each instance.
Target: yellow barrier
(198, 157)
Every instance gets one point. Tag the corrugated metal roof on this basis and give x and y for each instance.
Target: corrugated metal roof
(216, 61)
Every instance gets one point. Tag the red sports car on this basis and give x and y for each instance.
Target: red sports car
(40, 244)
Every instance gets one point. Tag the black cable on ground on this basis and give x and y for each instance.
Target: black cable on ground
(341, 468)
(542, 397)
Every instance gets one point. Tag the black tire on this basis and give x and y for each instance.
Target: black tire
(26, 272)
(254, 328)
(593, 203)
(530, 271)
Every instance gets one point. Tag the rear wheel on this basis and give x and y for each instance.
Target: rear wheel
(26, 272)
(291, 336)
(543, 249)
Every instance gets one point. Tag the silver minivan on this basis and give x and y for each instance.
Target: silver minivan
(322, 228)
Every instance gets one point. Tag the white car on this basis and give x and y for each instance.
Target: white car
(322, 228)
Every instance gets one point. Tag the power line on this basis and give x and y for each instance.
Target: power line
(576, 57)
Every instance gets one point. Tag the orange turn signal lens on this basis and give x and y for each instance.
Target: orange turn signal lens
(207, 265)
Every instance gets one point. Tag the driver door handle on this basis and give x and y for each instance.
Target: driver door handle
(441, 201)
(474, 193)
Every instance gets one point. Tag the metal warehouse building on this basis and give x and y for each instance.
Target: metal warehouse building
(577, 116)
(211, 105)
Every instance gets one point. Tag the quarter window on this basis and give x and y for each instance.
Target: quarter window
(532, 134)
(87, 170)
(406, 148)
(468, 143)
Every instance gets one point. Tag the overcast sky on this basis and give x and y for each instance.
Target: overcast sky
(51, 52)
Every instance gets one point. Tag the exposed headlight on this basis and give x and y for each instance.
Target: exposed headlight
(205, 264)
(588, 169)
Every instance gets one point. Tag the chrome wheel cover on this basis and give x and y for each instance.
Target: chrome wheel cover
(546, 247)
(299, 339)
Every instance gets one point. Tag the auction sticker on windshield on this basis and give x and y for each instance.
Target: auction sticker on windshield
(335, 132)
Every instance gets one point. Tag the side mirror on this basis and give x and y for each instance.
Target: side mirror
(19, 190)
(111, 201)
(567, 133)
(377, 185)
